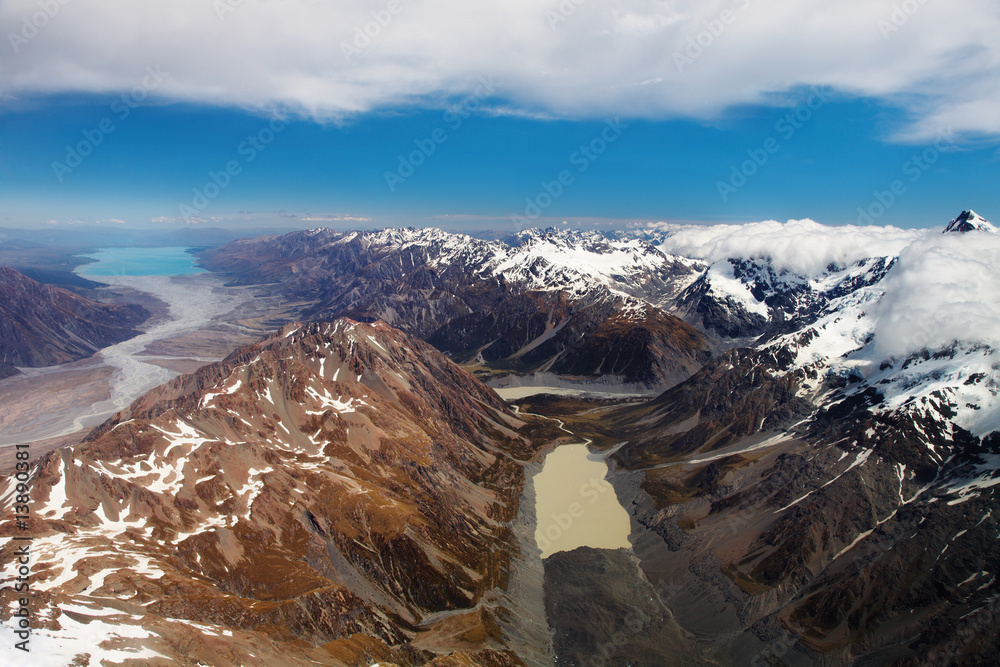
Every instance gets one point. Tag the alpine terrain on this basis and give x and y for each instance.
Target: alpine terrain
(337, 493)
(41, 325)
(570, 303)
(827, 493)
(808, 452)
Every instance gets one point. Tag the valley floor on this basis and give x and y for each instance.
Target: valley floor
(599, 605)
(197, 320)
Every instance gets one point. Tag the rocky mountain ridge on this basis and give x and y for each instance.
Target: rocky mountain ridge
(969, 221)
(338, 492)
(748, 298)
(574, 304)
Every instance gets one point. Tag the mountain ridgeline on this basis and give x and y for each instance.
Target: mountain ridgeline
(41, 325)
(573, 304)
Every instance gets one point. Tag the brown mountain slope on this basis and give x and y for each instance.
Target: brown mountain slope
(338, 493)
(41, 325)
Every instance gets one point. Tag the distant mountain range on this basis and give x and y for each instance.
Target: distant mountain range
(576, 304)
(41, 325)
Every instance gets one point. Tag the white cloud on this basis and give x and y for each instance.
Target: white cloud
(802, 246)
(941, 64)
(945, 288)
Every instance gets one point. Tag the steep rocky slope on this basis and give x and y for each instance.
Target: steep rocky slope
(569, 303)
(42, 325)
(604, 612)
(829, 496)
(337, 493)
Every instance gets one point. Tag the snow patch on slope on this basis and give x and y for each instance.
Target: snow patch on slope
(328, 402)
(724, 285)
(228, 390)
(109, 636)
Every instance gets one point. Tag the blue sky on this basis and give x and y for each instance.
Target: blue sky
(698, 146)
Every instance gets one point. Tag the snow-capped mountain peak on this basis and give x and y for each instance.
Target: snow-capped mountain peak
(970, 221)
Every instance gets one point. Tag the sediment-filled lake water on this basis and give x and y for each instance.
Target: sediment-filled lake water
(575, 505)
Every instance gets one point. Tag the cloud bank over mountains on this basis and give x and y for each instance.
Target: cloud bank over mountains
(804, 247)
(938, 62)
(941, 290)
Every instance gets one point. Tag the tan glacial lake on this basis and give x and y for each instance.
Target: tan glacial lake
(575, 505)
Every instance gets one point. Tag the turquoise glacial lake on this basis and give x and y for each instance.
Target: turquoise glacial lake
(139, 262)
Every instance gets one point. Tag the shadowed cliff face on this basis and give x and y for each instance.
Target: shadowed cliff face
(335, 492)
(802, 518)
(42, 325)
(573, 305)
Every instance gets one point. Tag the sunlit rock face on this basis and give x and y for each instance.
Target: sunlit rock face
(335, 491)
